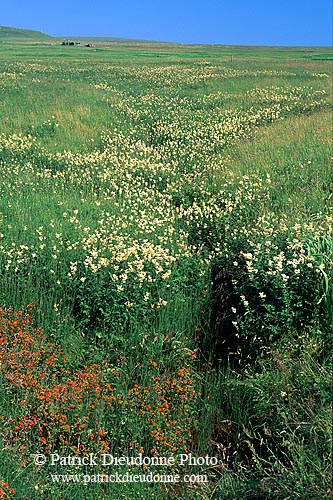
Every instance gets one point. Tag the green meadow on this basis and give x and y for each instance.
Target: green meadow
(165, 283)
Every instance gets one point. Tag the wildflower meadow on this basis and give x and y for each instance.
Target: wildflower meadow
(165, 272)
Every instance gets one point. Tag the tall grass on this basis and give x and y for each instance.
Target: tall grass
(168, 223)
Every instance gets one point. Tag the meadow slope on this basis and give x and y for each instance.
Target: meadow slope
(165, 246)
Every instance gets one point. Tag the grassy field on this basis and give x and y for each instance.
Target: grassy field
(165, 287)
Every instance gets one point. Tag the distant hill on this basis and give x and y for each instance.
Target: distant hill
(9, 34)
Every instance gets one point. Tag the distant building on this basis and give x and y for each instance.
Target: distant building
(68, 42)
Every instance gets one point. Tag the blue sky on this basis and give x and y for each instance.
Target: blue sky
(240, 22)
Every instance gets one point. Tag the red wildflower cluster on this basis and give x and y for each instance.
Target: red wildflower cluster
(82, 411)
(166, 407)
(53, 406)
(5, 491)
